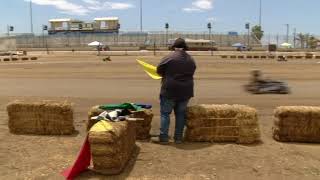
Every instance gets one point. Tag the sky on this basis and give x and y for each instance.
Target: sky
(182, 15)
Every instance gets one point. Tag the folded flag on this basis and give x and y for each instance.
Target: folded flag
(145, 106)
(128, 106)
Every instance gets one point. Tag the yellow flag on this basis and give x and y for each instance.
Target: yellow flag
(101, 126)
(150, 69)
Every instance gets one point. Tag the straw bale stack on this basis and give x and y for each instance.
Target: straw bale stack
(297, 124)
(222, 123)
(112, 149)
(41, 118)
(142, 127)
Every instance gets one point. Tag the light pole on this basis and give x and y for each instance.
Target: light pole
(260, 14)
(9, 29)
(31, 18)
(167, 29)
(294, 37)
(248, 28)
(141, 26)
(209, 26)
(287, 32)
(80, 28)
(45, 28)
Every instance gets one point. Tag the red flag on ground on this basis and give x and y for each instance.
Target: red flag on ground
(81, 164)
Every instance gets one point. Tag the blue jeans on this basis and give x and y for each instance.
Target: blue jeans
(166, 107)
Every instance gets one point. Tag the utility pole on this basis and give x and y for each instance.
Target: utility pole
(287, 32)
(141, 25)
(31, 18)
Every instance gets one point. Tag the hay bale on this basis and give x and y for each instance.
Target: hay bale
(297, 124)
(222, 123)
(112, 149)
(142, 127)
(34, 58)
(41, 118)
(143, 133)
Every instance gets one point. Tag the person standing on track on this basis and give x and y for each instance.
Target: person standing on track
(177, 70)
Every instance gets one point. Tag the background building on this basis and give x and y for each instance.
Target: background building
(99, 25)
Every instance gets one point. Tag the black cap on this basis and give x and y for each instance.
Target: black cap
(180, 43)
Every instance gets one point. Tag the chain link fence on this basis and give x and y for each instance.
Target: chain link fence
(130, 39)
(136, 40)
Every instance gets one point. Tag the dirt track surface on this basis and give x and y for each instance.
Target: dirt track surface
(88, 81)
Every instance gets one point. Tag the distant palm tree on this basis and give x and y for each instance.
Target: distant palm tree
(257, 32)
(301, 38)
(307, 41)
(312, 42)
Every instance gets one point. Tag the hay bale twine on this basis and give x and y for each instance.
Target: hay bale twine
(297, 124)
(142, 127)
(41, 118)
(111, 149)
(222, 123)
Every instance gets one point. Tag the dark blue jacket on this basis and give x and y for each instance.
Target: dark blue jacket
(177, 70)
